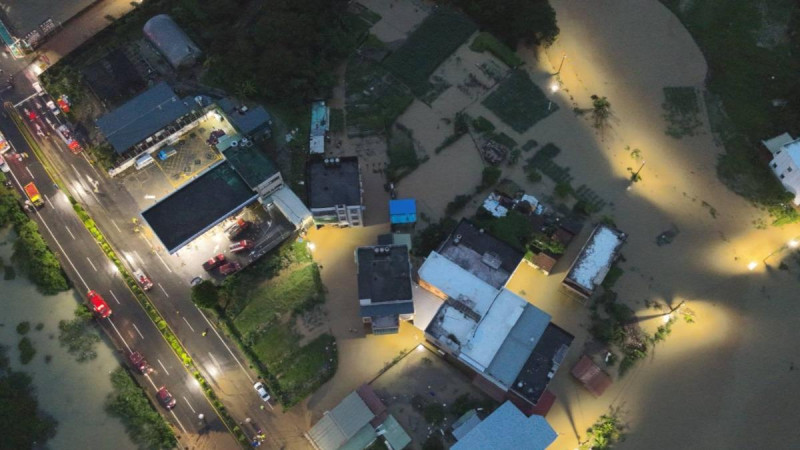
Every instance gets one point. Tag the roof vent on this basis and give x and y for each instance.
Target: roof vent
(235, 144)
(457, 239)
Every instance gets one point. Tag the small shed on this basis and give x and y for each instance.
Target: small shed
(171, 41)
(544, 262)
(591, 376)
(403, 211)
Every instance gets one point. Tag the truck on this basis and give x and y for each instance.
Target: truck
(66, 135)
(236, 229)
(3, 166)
(241, 246)
(4, 145)
(98, 305)
(33, 195)
(230, 268)
(214, 262)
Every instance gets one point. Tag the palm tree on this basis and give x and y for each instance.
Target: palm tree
(601, 109)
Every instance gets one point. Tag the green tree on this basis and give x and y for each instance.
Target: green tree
(608, 430)
(601, 111)
(489, 177)
(513, 21)
(205, 294)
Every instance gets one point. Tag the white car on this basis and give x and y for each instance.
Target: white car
(262, 391)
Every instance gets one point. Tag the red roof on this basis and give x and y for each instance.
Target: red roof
(373, 403)
(544, 262)
(592, 377)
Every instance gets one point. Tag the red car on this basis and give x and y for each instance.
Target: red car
(214, 262)
(231, 267)
(165, 398)
(139, 363)
(99, 306)
(241, 246)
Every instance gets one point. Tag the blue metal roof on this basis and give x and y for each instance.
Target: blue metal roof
(519, 344)
(507, 428)
(403, 210)
(142, 116)
(390, 309)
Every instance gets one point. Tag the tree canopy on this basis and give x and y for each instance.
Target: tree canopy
(513, 21)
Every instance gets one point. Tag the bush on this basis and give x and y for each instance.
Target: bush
(23, 327)
(434, 414)
(490, 176)
(482, 125)
(533, 176)
(205, 295)
(78, 336)
(457, 204)
(144, 425)
(429, 238)
(486, 42)
(24, 424)
(26, 350)
(563, 190)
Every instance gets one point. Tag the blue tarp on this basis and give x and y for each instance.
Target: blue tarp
(403, 210)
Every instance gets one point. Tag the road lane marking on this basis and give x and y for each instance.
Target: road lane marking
(137, 330)
(135, 253)
(47, 200)
(187, 323)
(68, 231)
(179, 422)
(189, 404)
(76, 171)
(31, 173)
(163, 262)
(226, 346)
(91, 263)
(115, 226)
(163, 290)
(120, 335)
(162, 366)
(115, 297)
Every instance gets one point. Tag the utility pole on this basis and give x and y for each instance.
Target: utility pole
(563, 57)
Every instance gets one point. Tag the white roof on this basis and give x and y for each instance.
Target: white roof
(533, 201)
(456, 282)
(774, 144)
(317, 145)
(290, 205)
(484, 342)
(596, 258)
(494, 207)
(793, 149)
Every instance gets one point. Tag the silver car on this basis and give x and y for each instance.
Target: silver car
(262, 391)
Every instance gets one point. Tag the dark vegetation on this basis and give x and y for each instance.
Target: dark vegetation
(78, 335)
(22, 423)
(425, 241)
(513, 21)
(144, 425)
(519, 102)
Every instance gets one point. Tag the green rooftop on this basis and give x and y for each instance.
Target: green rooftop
(251, 164)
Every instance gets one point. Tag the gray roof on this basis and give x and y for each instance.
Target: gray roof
(171, 41)
(519, 345)
(142, 116)
(533, 378)
(24, 16)
(388, 309)
(394, 434)
(251, 163)
(384, 273)
(249, 121)
(330, 185)
(471, 248)
(341, 423)
(507, 428)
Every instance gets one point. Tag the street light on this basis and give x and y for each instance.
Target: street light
(752, 266)
(563, 57)
(793, 243)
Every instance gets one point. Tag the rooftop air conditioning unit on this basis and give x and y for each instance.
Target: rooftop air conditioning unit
(235, 144)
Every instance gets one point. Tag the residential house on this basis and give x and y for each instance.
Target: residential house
(785, 163)
(594, 261)
(505, 429)
(335, 194)
(384, 287)
(403, 213)
(320, 124)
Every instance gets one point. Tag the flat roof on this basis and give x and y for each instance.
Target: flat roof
(142, 116)
(251, 164)
(480, 253)
(251, 120)
(198, 205)
(548, 354)
(593, 262)
(493, 328)
(24, 16)
(384, 273)
(456, 282)
(403, 210)
(334, 184)
(507, 428)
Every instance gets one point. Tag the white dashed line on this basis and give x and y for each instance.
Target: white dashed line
(137, 330)
(115, 226)
(215, 360)
(163, 290)
(91, 263)
(187, 323)
(226, 346)
(29, 172)
(135, 253)
(189, 404)
(163, 262)
(176, 420)
(47, 200)
(115, 297)
(68, 231)
(120, 335)
(162, 366)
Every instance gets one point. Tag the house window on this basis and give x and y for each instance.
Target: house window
(774, 165)
(781, 177)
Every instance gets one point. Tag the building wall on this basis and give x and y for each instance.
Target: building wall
(342, 216)
(787, 172)
(271, 185)
(432, 289)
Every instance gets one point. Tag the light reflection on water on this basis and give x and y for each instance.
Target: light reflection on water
(73, 393)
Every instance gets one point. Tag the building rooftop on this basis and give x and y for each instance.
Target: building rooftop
(334, 184)
(403, 211)
(507, 428)
(593, 262)
(320, 124)
(384, 273)
(251, 164)
(142, 116)
(249, 121)
(547, 356)
(198, 205)
(25, 16)
(342, 423)
(591, 375)
(456, 282)
(480, 253)
(518, 345)
(171, 41)
(775, 144)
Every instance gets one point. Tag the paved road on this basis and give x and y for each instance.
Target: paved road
(129, 327)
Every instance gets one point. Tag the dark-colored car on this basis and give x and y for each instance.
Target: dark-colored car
(231, 267)
(139, 363)
(165, 398)
(214, 262)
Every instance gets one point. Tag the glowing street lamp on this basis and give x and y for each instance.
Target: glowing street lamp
(311, 246)
(793, 243)
(752, 266)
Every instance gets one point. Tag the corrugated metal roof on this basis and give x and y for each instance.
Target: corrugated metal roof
(171, 41)
(518, 345)
(395, 435)
(142, 116)
(341, 423)
(391, 309)
(508, 429)
(290, 205)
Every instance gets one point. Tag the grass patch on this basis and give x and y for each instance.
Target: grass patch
(513, 229)
(427, 47)
(9, 273)
(518, 102)
(144, 425)
(458, 203)
(375, 98)
(612, 276)
(402, 155)
(337, 120)
(505, 140)
(487, 42)
(681, 110)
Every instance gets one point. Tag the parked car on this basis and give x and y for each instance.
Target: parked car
(262, 391)
(165, 398)
(99, 306)
(234, 230)
(214, 262)
(231, 267)
(241, 246)
(195, 281)
(139, 363)
(142, 279)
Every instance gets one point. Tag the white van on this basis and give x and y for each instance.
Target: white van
(144, 161)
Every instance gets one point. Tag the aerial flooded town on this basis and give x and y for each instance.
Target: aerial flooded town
(399, 224)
